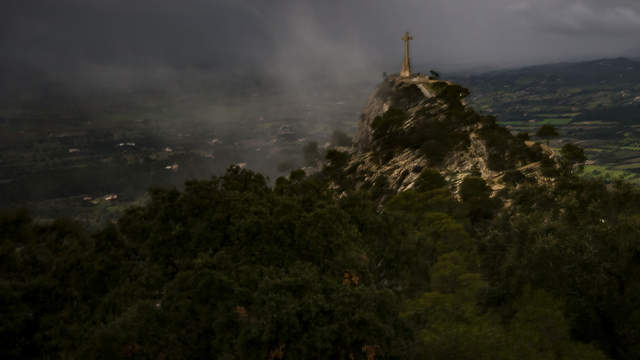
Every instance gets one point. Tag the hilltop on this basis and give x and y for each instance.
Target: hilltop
(417, 123)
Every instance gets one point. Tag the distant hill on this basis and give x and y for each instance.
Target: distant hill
(617, 70)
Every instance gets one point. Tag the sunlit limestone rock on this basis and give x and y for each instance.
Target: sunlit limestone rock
(417, 122)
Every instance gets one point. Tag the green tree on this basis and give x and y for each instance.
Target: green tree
(572, 156)
(476, 196)
(547, 132)
(429, 179)
(231, 267)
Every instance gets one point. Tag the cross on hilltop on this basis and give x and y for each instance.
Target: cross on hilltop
(406, 64)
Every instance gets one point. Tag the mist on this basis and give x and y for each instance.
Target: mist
(297, 40)
(312, 61)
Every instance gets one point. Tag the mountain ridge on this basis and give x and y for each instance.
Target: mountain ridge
(583, 72)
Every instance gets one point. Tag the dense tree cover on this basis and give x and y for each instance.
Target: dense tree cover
(229, 268)
(311, 268)
(579, 242)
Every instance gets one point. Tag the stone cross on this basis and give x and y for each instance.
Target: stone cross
(406, 64)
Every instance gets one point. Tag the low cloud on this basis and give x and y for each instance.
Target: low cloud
(297, 37)
(580, 18)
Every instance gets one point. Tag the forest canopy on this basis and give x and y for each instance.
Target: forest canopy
(233, 268)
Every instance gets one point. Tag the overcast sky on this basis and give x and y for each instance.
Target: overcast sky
(297, 35)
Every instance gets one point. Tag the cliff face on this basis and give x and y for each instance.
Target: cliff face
(410, 124)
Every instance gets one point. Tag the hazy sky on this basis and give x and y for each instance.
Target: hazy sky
(297, 35)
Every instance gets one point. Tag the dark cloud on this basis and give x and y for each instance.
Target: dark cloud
(581, 18)
(133, 31)
(298, 36)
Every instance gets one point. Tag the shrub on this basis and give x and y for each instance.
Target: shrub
(547, 131)
(476, 196)
(474, 187)
(430, 179)
(389, 124)
(572, 155)
(452, 94)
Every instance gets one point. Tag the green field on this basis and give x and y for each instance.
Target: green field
(628, 166)
(599, 171)
(554, 121)
(515, 123)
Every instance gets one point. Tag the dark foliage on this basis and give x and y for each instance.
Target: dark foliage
(573, 154)
(514, 177)
(548, 167)
(547, 131)
(578, 241)
(430, 179)
(436, 138)
(387, 127)
(452, 94)
(506, 151)
(231, 268)
(523, 136)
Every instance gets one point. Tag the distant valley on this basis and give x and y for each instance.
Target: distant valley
(595, 104)
(67, 152)
(64, 152)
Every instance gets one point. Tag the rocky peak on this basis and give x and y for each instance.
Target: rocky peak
(411, 124)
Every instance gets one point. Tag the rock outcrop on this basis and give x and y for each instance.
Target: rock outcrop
(410, 124)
